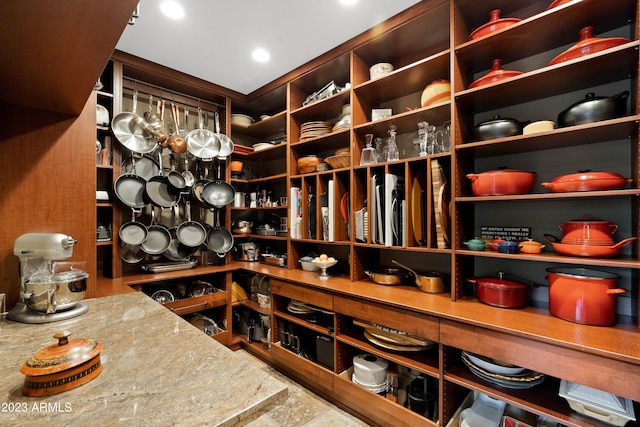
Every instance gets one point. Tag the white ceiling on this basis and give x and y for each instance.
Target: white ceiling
(215, 39)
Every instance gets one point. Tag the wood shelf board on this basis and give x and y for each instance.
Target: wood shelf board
(253, 305)
(323, 110)
(572, 136)
(261, 129)
(407, 121)
(566, 77)
(551, 257)
(405, 81)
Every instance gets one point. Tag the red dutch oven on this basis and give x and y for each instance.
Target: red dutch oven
(588, 231)
(586, 181)
(500, 292)
(501, 182)
(583, 296)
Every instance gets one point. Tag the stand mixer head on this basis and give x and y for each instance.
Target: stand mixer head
(48, 294)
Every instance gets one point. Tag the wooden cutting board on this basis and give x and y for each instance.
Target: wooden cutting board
(438, 181)
(417, 209)
(391, 337)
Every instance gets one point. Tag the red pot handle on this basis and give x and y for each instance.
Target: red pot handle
(623, 243)
(616, 291)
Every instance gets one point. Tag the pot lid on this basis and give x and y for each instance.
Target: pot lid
(498, 120)
(495, 23)
(588, 218)
(497, 73)
(62, 356)
(587, 175)
(494, 283)
(587, 44)
(531, 243)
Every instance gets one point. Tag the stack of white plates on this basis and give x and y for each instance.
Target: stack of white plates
(504, 375)
(314, 129)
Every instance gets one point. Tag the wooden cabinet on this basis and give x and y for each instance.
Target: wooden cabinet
(529, 337)
(261, 215)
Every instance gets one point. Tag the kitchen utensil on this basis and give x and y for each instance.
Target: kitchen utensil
(190, 233)
(63, 366)
(436, 92)
(158, 237)
(145, 166)
(586, 250)
(201, 142)
(501, 182)
(218, 193)
(175, 178)
(226, 144)
(132, 131)
(241, 119)
(500, 292)
(131, 254)
(133, 233)
(493, 365)
(151, 118)
(387, 276)
(247, 251)
(380, 69)
(495, 24)
(586, 181)
(418, 208)
(509, 247)
(189, 179)
(497, 127)
(324, 265)
(530, 246)
(587, 44)
(431, 283)
(159, 191)
(594, 108)
(219, 239)
(307, 264)
(476, 244)
(583, 295)
(538, 126)
(497, 74)
(161, 135)
(601, 405)
(308, 164)
(130, 190)
(587, 230)
(370, 369)
(52, 292)
(102, 115)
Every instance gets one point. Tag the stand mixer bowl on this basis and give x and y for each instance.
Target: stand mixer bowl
(51, 292)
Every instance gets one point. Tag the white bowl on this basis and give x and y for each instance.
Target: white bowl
(380, 69)
(241, 120)
(307, 264)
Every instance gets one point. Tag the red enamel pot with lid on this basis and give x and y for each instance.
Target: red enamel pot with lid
(588, 231)
(583, 295)
(501, 182)
(586, 181)
(500, 292)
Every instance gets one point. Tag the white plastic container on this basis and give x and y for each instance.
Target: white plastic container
(597, 404)
(380, 69)
(369, 369)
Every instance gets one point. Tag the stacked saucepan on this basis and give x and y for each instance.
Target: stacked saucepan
(146, 185)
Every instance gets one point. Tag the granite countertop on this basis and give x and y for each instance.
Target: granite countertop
(157, 370)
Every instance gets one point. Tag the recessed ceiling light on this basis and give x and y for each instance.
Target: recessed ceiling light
(260, 55)
(348, 2)
(172, 9)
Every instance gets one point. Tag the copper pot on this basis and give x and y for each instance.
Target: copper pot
(582, 295)
(501, 182)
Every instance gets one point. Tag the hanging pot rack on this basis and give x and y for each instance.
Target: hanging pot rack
(172, 95)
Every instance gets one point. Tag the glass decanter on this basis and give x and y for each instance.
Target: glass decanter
(368, 155)
(392, 151)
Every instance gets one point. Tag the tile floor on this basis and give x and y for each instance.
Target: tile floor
(302, 408)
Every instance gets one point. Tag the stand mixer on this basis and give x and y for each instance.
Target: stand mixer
(49, 290)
